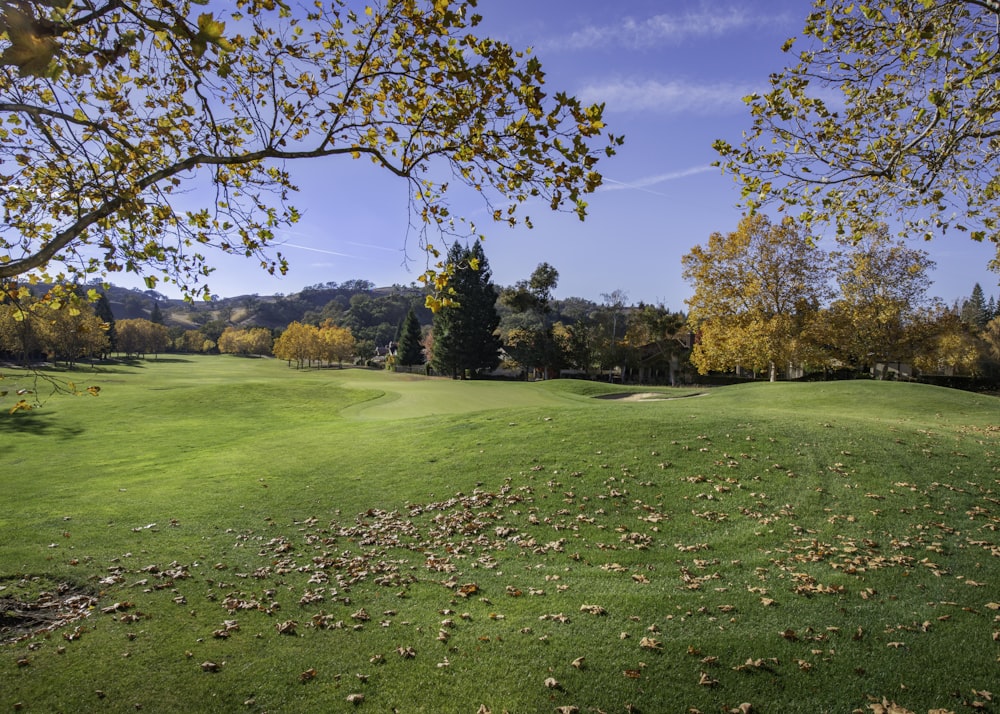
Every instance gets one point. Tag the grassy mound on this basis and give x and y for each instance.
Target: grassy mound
(262, 539)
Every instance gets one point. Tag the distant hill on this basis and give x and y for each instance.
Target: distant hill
(372, 312)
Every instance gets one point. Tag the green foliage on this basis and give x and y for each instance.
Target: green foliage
(105, 111)
(890, 113)
(801, 548)
(464, 339)
(410, 350)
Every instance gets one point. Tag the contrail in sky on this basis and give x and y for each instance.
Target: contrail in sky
(318, 250)
(641, 184)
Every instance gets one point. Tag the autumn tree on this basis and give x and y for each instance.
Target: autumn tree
(299, 344)
(250, 341)
(336, 343)
(991, 336)
(126, 115)
(883, 285)
(465, 340)
(410, 351)
(20, 335)
(891, 111)
(139, 336)
(755, 292)
(73, 333)
(948, 346)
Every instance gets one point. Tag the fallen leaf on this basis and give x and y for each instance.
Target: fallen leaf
(578, 662)
(210, 667)
(355, 698)
(307, 675)
(551, 683)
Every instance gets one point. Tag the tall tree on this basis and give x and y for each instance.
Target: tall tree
(883, 286)
(892, 110)
(529, 336)
(121, 107)
(465, 340)
(755, 290)
(410, 351)
(102, 308)
(974, 311)
(155, 314)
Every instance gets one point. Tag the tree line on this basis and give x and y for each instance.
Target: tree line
(767, 301)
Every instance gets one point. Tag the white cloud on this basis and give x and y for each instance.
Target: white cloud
(673, 29)
(666, 97)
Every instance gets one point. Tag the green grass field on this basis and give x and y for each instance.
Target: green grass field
(248, 538)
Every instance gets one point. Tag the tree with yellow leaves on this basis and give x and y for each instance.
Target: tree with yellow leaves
(112, 111)
(755, 292)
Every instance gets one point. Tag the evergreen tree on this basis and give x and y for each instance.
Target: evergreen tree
(410, 351)
(102, 308)
(155, 316)
(464, 334)
(974, 309)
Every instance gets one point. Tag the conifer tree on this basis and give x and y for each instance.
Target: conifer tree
(410, 351)
(465, 339)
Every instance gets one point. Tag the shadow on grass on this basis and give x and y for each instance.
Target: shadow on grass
(35, 422)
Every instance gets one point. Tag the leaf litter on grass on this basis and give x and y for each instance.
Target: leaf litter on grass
(636, 525)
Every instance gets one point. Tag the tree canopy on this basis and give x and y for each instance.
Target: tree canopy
(890, 113)
(755, 290)
(156, 130)
(464, 333)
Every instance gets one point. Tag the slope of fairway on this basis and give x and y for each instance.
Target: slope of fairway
(230, 535)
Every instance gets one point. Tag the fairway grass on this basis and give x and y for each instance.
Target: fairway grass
(260, 539)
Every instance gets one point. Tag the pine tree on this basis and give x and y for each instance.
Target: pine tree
(102, 308)
(410, 351)
(464, 334)
(974, 311)
(155, 316)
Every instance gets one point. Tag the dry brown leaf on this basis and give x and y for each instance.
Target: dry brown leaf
(578, 662)
(287, 627)
(887, 707)
(551, 683)
(210, 667)
(308, 675)
(355, 698)
(706, 681)
(650, 643)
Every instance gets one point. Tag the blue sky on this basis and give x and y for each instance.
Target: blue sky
(672, 74)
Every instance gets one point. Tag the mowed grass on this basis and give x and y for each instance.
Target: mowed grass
(333, 540)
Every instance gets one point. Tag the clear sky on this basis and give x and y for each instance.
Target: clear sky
(672, 74)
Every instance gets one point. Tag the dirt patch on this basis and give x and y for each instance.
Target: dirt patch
(30, 606)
